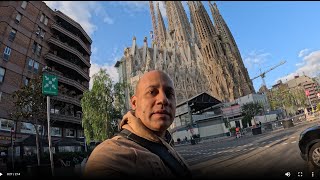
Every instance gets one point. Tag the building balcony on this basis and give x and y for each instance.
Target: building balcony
(65, 118)
(67, 64)
(72, 22)
(69, 34)
(70, 82)
(70, 49)
(67, 99)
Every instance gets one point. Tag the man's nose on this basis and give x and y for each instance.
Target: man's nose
(162, 98)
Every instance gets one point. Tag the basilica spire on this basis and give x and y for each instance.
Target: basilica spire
(154, 23)
(161, 30)
(178, 21)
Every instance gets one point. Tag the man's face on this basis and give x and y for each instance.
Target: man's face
(154, 102)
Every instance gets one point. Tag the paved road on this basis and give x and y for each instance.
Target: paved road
(269, 154)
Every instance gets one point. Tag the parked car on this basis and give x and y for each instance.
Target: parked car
(309, 144)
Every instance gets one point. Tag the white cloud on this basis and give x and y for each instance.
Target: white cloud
(300, 64)
(256, 58)
(111, 70)
(82, 12)
(303, 52)
(132, 7)
(310, 67)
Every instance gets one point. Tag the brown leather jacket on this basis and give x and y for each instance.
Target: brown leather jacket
(119, 156)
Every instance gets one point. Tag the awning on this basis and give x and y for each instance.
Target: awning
(200, 102)
(67, 142)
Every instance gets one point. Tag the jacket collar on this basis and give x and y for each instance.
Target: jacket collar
(134, 124)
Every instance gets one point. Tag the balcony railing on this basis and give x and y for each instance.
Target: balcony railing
(68, 48)
(68, 64)
(75, 24)
(69, 34)
(70, 82)
(67, 99)
(65, 118)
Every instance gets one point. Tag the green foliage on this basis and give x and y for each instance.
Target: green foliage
(318, 107)
(283, 97)
(30, 106)
(29, 103)
(232, 130)
(226, 123)
(102, 107)
(249, 110)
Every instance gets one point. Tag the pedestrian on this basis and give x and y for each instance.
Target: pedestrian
(238, 132)
(144, 147)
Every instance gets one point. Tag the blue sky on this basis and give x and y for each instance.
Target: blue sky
(266, 33)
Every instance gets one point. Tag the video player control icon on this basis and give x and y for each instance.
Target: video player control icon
(288, 174)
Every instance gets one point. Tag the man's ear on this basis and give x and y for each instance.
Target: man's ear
(133, 102)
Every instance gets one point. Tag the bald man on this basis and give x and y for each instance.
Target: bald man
(143, 148)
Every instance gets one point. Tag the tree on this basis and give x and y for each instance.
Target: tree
(283, 97)
(249, 110)
(102, 107)
(30, 106)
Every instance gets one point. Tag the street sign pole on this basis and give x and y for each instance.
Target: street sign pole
(49, 135)
(50, 87)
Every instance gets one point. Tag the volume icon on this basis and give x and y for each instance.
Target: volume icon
(287, 174)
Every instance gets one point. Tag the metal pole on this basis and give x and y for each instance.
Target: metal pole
(49, 136)
(12, 150)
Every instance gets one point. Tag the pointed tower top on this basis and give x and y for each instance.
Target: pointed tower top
(134, 38)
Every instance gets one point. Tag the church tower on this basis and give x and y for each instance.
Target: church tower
(161, 29)
(210, 49)
(229, 45)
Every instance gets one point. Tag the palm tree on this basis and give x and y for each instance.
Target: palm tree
(249, 110)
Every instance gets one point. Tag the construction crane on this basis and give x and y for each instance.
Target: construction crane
(263, 74)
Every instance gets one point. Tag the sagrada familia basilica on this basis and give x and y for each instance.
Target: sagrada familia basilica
(200, 56)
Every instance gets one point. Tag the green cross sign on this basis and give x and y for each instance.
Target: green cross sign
(50, 85)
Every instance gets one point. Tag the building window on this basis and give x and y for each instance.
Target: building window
(2, 72)
(45, 21)
(6, 124)
(6, 53)
(26, 81)
(56, 131)
(38, 49)
(30, 64)
(29, 128)
(80, 134)
(18, 18)
(24, 4)
(12, 34)
(40, 32)
(42, 17)
(35, 67)
(70, 133)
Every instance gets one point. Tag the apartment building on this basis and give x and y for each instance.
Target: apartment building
(34, 37)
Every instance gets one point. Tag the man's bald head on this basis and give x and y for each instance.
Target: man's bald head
(154, 101)
(145, 76)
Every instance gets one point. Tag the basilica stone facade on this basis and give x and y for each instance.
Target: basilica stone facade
(198, 55)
